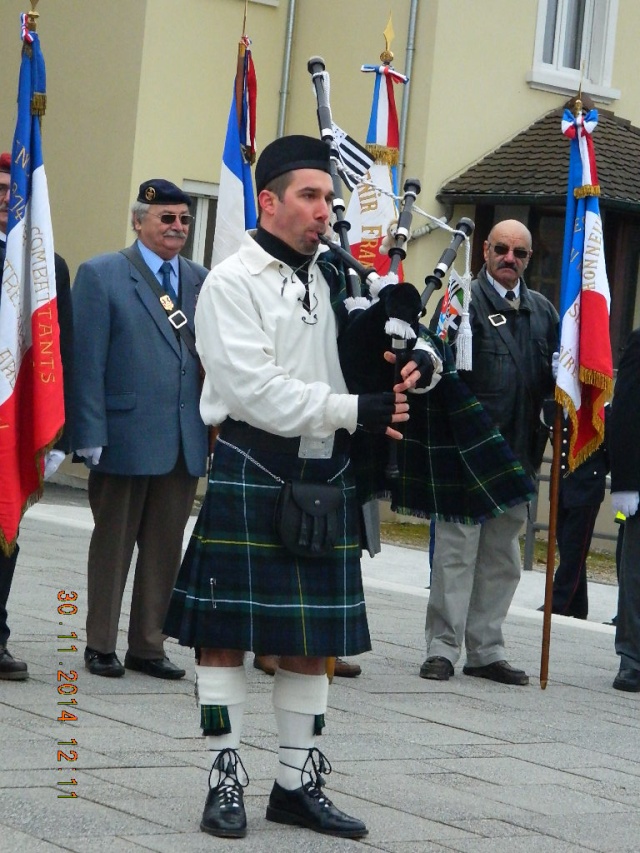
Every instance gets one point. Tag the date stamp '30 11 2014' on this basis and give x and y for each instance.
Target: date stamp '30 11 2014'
(67, 692)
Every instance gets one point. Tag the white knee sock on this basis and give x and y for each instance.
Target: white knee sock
(297, 699)
(224, 687)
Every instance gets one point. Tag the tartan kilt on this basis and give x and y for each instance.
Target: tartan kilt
(239, 588)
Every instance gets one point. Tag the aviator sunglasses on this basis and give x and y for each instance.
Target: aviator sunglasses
(170, 218)
(501, 249)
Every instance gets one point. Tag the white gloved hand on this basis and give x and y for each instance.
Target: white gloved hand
(52, 461)
(555, 361)
(92, 454)
(625, 502)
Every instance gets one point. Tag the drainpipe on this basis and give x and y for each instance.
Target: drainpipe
(411, 35)
(286, 68)
(413, 14)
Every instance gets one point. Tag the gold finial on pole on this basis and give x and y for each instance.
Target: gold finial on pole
(386, 56)
(577, 106)
(32, 17)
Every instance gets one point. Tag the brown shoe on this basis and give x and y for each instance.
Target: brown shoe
(344, 669)
(267, 663)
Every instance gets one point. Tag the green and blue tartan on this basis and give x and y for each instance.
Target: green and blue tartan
(454, 463)
(238, 588)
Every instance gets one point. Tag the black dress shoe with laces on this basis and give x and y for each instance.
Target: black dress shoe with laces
(10, 668)
(106, 664)
(308, 806)
(224, 813)
(437, 668)
(156, 667)
(499, 671)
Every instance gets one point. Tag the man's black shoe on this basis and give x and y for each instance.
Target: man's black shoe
(99, 663)
(499, 671)
(10, 668)
(628, 680)
(439, 669)
(308, 806)
(224, 813)
(158, 667)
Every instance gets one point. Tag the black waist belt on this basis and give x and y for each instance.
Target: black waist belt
(246, 436)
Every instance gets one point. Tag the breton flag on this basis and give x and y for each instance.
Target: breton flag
(585, 372)
(31, 399)
(356, 159)
(236, 205)
(370, 211)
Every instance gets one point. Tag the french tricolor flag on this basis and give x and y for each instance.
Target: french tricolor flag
(236, 204)
(585, 371)
(31, 393)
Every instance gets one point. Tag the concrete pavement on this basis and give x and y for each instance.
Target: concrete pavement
(465, 765)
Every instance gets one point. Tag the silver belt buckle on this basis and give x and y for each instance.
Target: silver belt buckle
(316, 448)
(497, 319)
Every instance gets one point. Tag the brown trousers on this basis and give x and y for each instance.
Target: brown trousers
(150, 512)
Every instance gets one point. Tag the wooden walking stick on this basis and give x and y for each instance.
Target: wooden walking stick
(554, 488)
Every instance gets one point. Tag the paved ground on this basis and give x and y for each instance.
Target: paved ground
(466, 765)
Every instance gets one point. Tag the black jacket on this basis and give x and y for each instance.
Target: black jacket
(624, 443)
(497, 380)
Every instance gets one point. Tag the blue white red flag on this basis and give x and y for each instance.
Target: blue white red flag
(31, 393)
(236, 204)
(370, 211)
(585, 372)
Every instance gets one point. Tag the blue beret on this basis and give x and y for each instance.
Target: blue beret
(289, 153)
(159, 191)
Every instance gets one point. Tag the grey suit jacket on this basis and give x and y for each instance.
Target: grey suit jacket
(136, 388)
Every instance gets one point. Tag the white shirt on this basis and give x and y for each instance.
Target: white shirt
(267, 361)
(503, 290)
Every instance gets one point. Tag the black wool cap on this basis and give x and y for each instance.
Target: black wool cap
(159, 191)
(289, 153)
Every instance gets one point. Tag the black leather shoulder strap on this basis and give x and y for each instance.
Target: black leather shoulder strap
(177, 318)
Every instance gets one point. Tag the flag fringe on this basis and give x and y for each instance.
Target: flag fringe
(38, 104)
(587, 190)
(383, 154)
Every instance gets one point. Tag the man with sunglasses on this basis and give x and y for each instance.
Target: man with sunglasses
(476, 568)
(136, 397)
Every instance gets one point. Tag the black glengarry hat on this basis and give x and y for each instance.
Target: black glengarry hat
(159, 191)
(289, 153)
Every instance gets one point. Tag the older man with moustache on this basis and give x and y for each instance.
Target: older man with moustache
(476, 568)
(137, 390)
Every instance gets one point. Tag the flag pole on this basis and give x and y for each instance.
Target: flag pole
(554, 491)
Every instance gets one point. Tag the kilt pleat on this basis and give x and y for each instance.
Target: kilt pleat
(239, 588)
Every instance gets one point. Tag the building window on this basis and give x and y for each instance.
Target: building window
(574, 46)
(199, 245)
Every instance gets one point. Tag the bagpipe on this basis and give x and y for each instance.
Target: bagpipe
(383, 314)
(473, 475)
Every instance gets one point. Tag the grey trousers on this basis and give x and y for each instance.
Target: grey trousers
(628, 621)
(476, 570)
(151, 512)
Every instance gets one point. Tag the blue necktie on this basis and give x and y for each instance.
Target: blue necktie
(510, 296)
(165, 271)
